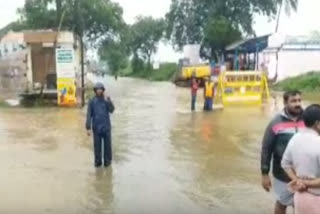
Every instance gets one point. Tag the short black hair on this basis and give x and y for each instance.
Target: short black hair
(290, 93)
(311, 115)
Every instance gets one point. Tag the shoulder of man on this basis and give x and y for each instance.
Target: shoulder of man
(279, 121)
(278, 118)
(92, 100)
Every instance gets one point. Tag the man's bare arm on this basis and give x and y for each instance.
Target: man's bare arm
(291, 173)
(312, 183)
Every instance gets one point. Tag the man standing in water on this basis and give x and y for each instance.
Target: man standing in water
(208, 94)
(194, 90)
(277, 136)
(98, 116)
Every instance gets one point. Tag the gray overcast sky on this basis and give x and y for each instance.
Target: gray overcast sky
(306, 19)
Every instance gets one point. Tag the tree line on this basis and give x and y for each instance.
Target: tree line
(211, 23)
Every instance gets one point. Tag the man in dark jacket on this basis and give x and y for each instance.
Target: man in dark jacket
(277, 136)
(98, 118)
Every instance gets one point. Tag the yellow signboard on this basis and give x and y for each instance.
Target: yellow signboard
(66, 92)
(66, 76)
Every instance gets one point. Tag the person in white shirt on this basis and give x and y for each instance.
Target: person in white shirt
(301, 161)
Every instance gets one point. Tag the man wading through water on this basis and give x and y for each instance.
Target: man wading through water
(98, 116)
(208, 94)
(277, 136)
(194, 90)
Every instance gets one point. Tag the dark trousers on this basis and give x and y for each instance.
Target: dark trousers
(208, 102)
(193, 102)
(102, 139)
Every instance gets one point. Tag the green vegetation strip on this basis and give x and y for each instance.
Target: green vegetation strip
(164, 73)
(309, 82)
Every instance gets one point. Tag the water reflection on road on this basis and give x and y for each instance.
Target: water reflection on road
(166, 159)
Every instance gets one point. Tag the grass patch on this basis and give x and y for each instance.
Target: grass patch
(127, 71)
(89, 93)
(3, 104)
(309, 82)
(164, 73)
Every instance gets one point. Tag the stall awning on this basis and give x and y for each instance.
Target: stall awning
(249, 45)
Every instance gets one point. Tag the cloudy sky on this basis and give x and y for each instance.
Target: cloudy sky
(305, 20)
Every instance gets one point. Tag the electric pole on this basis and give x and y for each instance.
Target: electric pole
(79, 30)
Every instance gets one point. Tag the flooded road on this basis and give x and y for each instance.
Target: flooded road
(166, 159)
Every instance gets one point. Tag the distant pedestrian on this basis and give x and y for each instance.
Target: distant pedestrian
(98, 119)
(208, 94)
(194, 91)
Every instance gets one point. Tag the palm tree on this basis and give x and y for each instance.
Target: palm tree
(289, 6)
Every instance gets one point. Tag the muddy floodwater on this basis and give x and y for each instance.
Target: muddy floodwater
(166, 159)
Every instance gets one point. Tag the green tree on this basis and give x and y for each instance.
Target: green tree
(146, 34)
(94, 19)
(199, 21)
(37, 14)
(14, 26)
(218, 33)
(138, 66)
(289, 5)
(115, 54)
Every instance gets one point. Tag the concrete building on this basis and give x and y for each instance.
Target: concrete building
(32, 55)
(289, 56)
(192, 54)
(13, 65)
(11, 43)
(281, 56)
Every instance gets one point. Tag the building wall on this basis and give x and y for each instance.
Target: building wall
(11, 43)
(65, 37)
(16, 68)
(43, 64)
(42, 55)
(29, 68)
(292, 62)
(192, 52)
(268, 62)
(13, 74)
